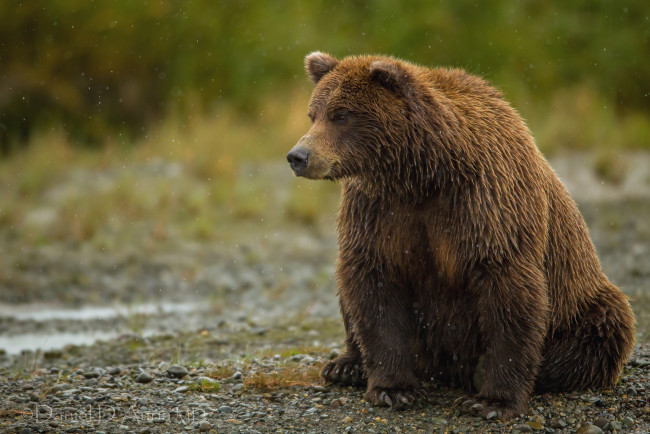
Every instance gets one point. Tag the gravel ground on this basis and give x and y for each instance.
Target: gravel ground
(134, 384)
(229, 338)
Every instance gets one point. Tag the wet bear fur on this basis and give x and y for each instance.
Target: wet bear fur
(459, 248)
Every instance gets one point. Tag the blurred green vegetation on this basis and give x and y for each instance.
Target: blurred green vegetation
(109, 69)
(139, 122)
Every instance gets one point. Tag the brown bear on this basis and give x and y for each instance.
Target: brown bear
(458, 244)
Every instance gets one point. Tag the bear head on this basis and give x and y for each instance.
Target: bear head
(362, 113)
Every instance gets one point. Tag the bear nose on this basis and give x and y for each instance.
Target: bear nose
(298, 158)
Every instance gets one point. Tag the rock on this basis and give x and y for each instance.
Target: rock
(205, 426)
(143, 378)
(115, 371)
(522, 427)
(589, 428)
(177, 371)
(557, 424)
(616, 425)
(601, 422)
(312, 410)
(336, 403)
(181, 389)
(627, 421)
(307, 360)
(205, 380)
(537, 426)
(60, 387)
(225, 409)
(640, 362)
(236, 375)
(91, 374)
(491, 415)
(439, 421)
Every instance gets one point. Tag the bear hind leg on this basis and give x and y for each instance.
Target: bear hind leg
(592, 352)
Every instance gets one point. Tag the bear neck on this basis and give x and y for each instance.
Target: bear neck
(419, 174)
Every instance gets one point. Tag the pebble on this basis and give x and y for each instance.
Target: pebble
(627, 421)
(307, 360)
(225, 409)
(236, 375)
(557, 424)
(589, 428)
(91, 374)
(439, 421)
(181, 389)
(60, 387)
(205, 380)
(143, 378)
(205, 426)
(522, 427)
(114, 371)
(177, 371)
(312, 410)
(601, 422)
(616, 424)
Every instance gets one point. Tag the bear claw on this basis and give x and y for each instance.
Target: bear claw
(395, 399)
(344, 371)
(489, 410)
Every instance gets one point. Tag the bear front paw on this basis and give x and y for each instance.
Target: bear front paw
(394, 398)
(491, 409)
(344, 371)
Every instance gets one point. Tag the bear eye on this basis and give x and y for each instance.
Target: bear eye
(311, 117)
(340, 117)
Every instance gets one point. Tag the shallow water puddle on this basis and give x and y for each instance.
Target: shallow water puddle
(45, 342)
(44, 312)
(54, 338)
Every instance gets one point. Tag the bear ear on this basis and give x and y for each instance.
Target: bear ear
(318, 64)
(389, 75)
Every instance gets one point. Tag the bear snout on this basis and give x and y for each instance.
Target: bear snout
(298, 157)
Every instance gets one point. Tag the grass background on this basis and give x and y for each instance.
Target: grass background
(170, 120)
